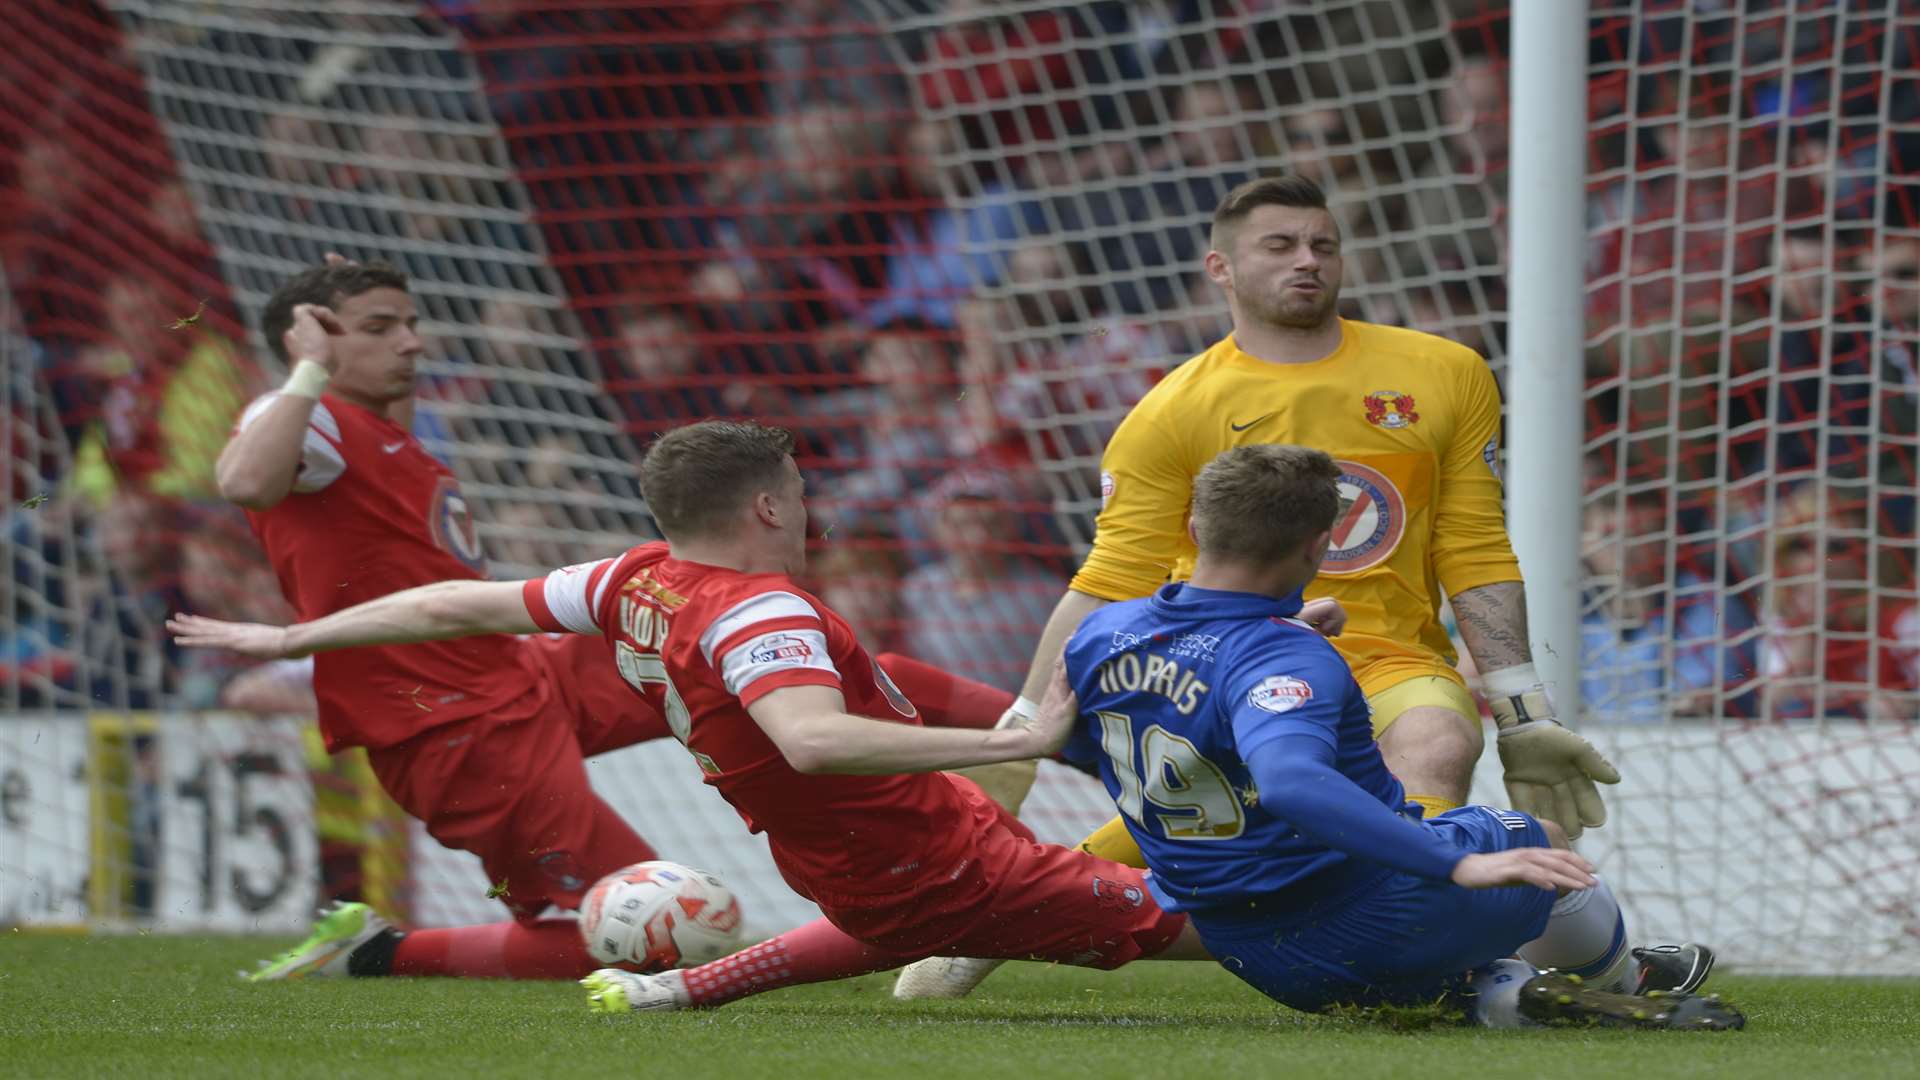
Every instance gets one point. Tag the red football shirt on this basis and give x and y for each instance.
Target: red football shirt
(372, 513)
(704, 642)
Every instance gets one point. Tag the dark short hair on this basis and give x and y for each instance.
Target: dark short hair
(696, 477)
(1285, 189)
(328, 286)
(1261, 502)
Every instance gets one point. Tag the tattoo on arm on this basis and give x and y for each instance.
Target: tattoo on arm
(1493, 623)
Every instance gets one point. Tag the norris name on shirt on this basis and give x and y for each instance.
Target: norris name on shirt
(1153, 674)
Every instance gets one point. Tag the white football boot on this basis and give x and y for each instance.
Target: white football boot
(610, 990)
(942, 977)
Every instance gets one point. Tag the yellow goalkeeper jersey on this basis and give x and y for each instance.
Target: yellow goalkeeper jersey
(1414, 421)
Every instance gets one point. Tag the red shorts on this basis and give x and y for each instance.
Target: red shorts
(511, 786)
(607, 714)
(1011, 896)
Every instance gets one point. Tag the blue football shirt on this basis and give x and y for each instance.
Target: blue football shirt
(1175, 691)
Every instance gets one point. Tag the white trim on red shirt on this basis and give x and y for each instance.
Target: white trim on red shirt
(320, 460)
(771, 634)
(764, 607)
(776, 652)
(568, 599)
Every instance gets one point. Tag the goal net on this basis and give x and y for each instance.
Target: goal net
(950, 244)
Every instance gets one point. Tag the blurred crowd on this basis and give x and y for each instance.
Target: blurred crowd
(949, 244)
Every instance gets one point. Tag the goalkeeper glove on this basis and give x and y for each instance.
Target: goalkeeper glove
(1550, 771)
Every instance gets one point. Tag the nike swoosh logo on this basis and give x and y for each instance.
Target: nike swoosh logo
(394, 448)
(1248, 424)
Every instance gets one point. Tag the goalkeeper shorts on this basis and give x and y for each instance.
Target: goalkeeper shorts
(1391, 702)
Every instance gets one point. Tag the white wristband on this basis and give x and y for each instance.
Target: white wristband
(1021, 710)
(1509, 681)
(309, 380)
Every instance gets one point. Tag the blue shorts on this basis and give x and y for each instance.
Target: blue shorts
(1401, 939)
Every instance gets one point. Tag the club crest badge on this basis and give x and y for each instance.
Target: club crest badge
(1373, 518)
(1390, 409)
(452, 526)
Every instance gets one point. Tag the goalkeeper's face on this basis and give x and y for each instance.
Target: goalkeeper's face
(1285, 267)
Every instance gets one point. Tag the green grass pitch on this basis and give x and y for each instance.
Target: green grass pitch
(150, 1006)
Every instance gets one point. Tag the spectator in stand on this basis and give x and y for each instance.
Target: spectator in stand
(1456, 220)
(945, 251)
(857, 572)
(561, 82)
(1464, 310)
(1895, 267)
(422, 181)
(1635, 616)
(1822, 322)
(1831, 378)
(648, 372)
(312, 183)
(1148, 221)
(1837, 642)
(223, 574)
(900, 432)
(71, 636)
(523, 536)
(165, 388)
(1056, 368)
(978, 609)
(1029, 77)
(806, 244)
(1701, 211)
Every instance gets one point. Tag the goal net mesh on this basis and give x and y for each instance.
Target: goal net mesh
(949, 244)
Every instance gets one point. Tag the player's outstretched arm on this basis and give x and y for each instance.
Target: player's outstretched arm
(258, 466)
(1551, 772)
(1297, 780)
(815, 733)
(437, 612)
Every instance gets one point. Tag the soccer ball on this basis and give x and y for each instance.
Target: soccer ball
(660, 915)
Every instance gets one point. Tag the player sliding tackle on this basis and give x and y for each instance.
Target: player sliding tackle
(1239, 747)
(791, 721)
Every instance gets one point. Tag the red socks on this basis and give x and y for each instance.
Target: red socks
(816, 952)
(945, 700)
(550, 949)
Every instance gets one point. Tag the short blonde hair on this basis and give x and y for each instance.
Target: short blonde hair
(1262, 502)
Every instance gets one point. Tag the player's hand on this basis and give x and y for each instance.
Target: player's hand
(1542, 868)
(309, 336)
(1325, 615)
(248, 639)
(335, 260)
(1059, 710)
(1551, 773)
